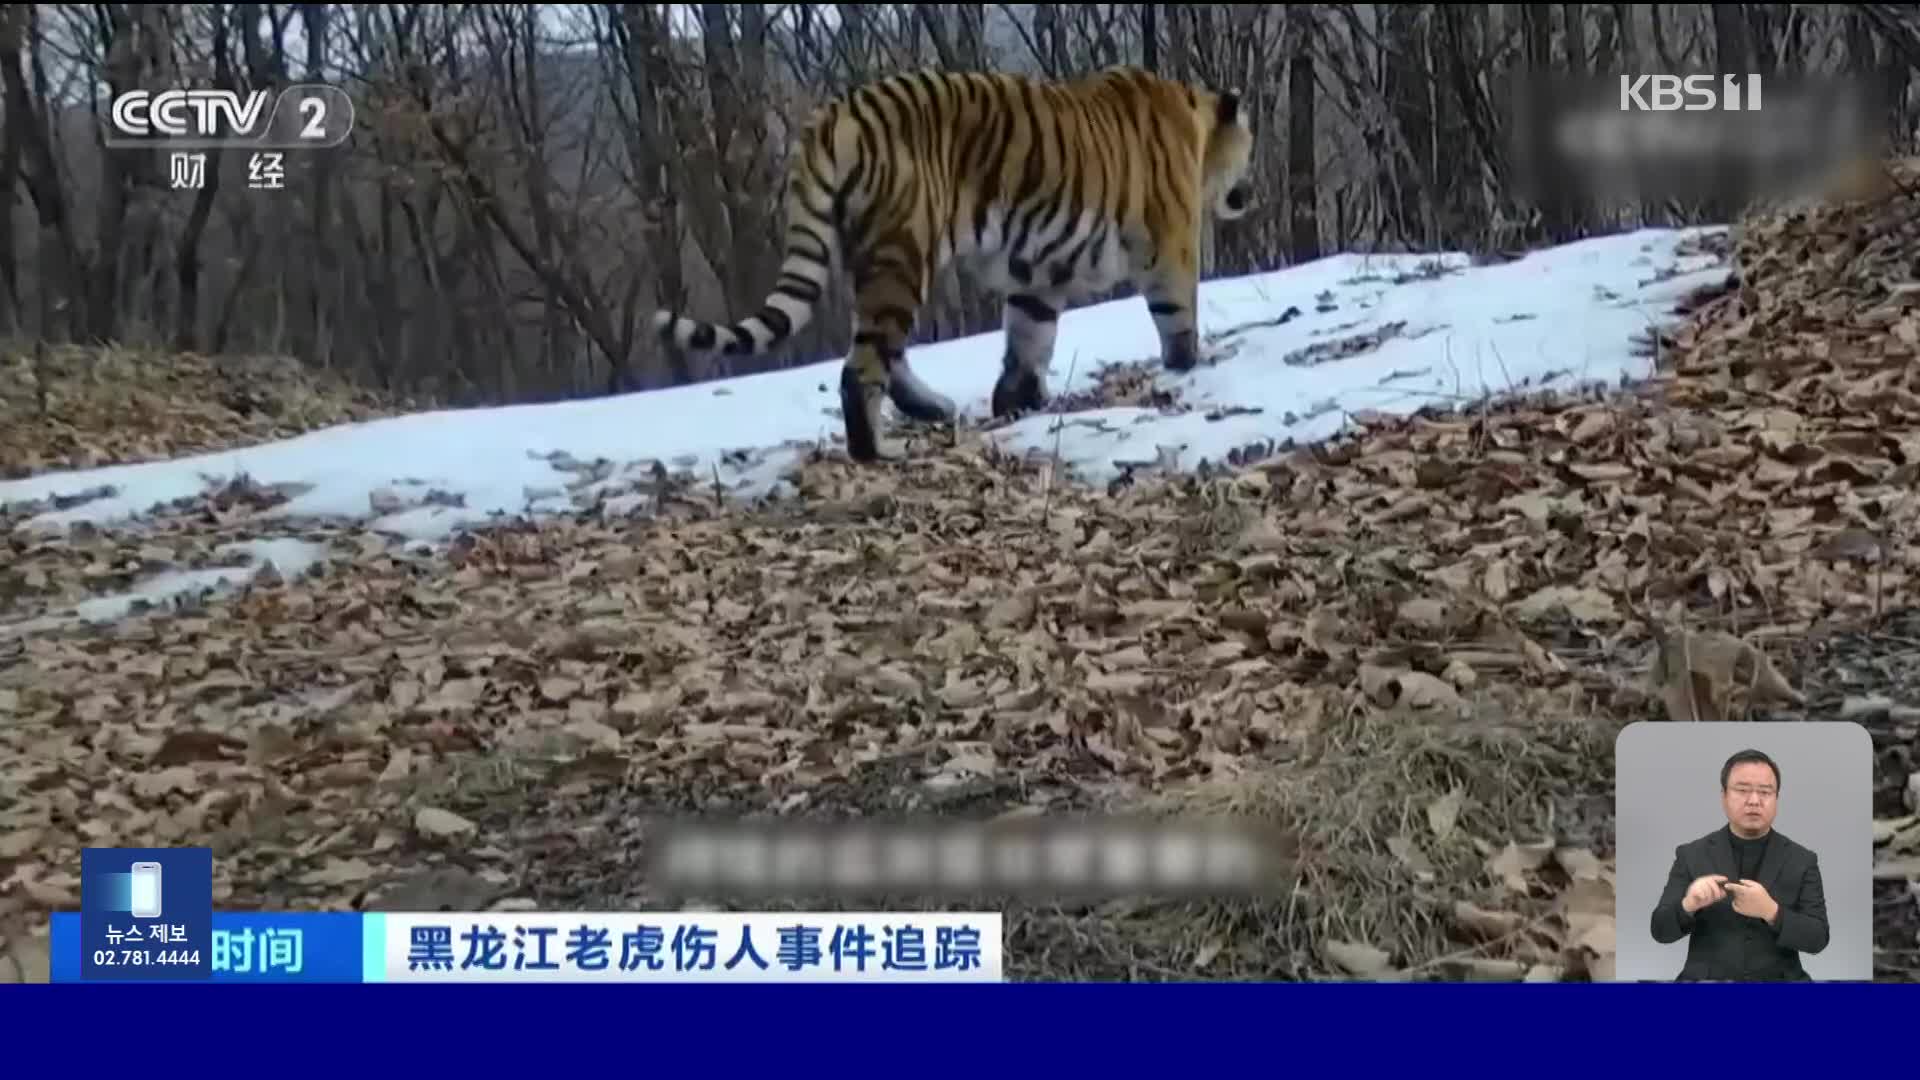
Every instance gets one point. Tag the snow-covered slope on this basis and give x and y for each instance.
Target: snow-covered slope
(1295, 353)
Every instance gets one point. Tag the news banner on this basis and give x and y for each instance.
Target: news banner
(147, 913)
(625, 988)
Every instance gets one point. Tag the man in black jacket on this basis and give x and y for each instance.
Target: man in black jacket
(1750, 899)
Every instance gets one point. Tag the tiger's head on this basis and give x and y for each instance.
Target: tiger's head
(1229, 158)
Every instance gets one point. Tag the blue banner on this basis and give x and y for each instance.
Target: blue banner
(503, 947)
(530, 1021)
(1285, 1030)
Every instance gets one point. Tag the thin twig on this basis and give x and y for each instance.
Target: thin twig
(1059, 428)
(1535, 923)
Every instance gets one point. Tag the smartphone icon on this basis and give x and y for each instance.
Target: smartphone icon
(146, 890)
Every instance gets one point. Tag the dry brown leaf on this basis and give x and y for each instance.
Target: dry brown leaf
(1380, 684)
(1323, 633)
(1118, 682)
(1878, 709)
(1391, 687)
(1497, 583)
(1884, 829)
(340, 872)
(1012, 612)
(1590, 426)
(1402, 848)
(59, 891)
(1695, 675)
(1905, 868)
(1582, 604)
(1587, 908)
(438, 824)
(188, 747)
(1423, 691)
(19, 842)
(1579, 863)
(642, 704)
(1443, 813)
(1594, 934)
(397, 767)
(1537, 507)
(1588, 896)
(1479, 924)
(26, 959)
(1245, 621)
(271, 744)
(1427, 614)
(155, 785)
(1359, 960)
(455, 695)
(896, 681)
(556, 689)
(1849, 544)
(1602, 472)
(594, 734)
(1208, 953)
(1515, 861)
(1490, 969)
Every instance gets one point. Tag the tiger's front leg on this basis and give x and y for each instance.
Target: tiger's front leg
(1172, 289)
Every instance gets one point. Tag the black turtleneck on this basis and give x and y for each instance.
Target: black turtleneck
(1748, 853)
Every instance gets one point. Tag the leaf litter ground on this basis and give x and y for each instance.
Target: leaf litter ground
(1411, 649)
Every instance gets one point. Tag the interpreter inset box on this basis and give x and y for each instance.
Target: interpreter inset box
(1744, 852)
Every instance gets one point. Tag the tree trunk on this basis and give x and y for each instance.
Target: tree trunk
(1303, 188)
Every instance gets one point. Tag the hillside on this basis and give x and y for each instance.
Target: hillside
(68, 408)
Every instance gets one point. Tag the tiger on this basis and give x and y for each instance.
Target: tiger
(1046, 191)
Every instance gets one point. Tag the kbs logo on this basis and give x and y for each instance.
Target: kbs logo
(301, 117)
(1666, 93)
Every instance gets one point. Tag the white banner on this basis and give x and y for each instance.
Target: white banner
(684, 947)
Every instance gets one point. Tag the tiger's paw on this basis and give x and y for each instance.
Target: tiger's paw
(1182, 352)
(874, 456)
(1018, 390)
(860, 413)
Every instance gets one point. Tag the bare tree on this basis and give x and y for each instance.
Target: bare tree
(1303, 186)
(525, 183)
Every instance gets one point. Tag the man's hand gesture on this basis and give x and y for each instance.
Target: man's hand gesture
(1752, 898)
(1706, 889)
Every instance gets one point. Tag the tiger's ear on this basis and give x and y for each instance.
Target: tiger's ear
(1229, 110)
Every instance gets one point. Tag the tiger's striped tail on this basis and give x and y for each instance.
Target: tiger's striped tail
(812, 248)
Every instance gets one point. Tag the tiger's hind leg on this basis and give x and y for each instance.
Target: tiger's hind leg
(1032, 321)
(885, 307)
